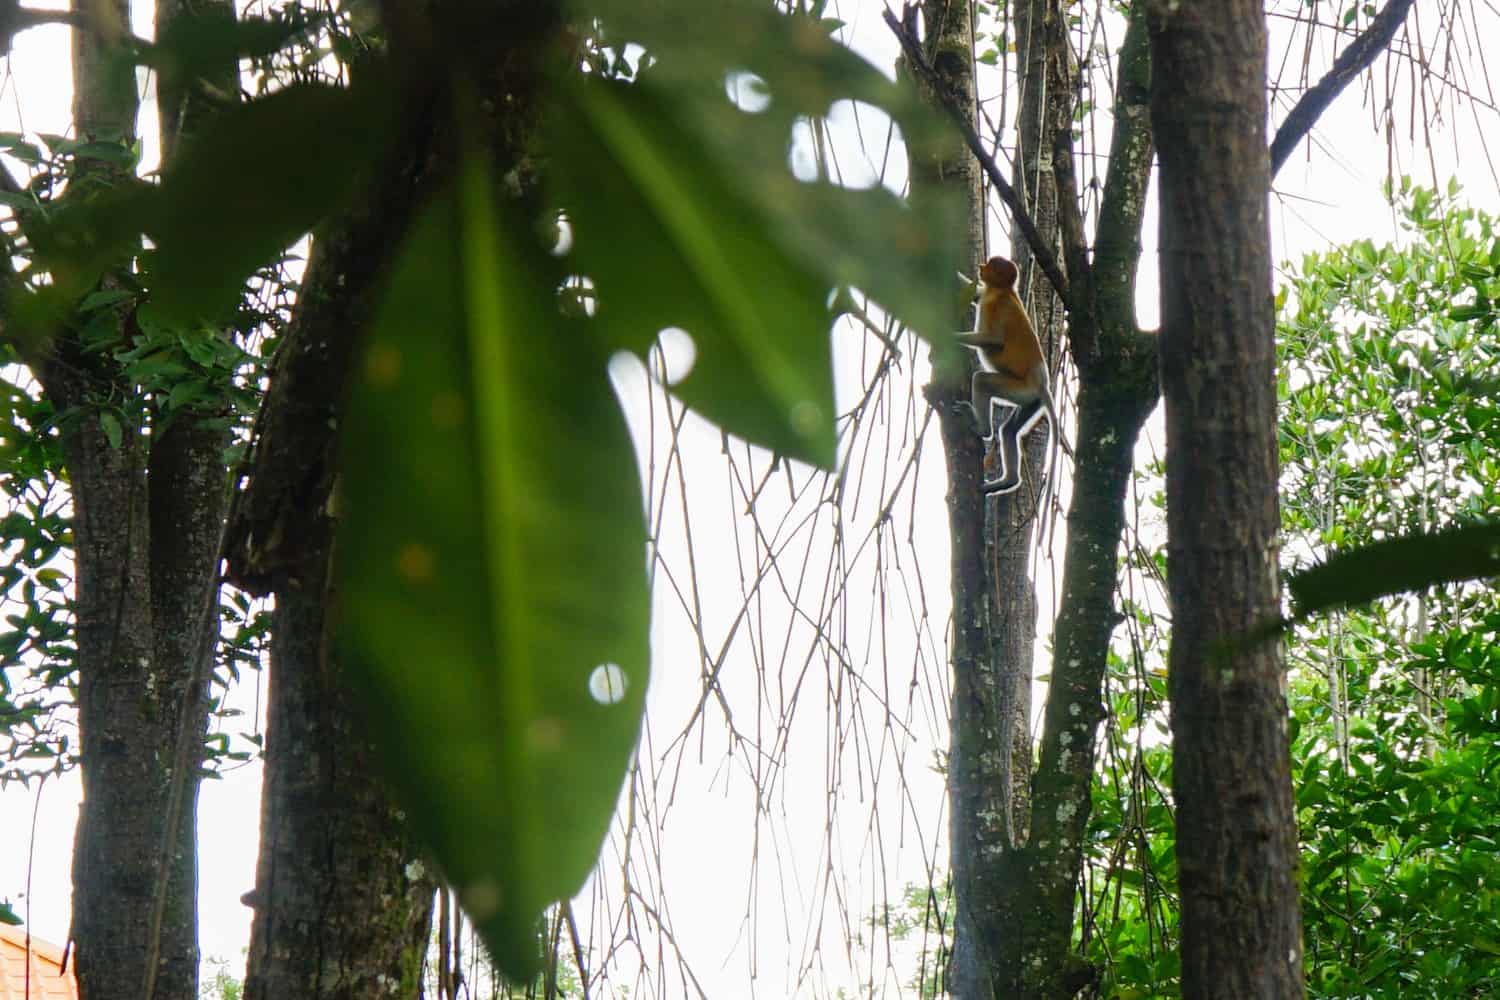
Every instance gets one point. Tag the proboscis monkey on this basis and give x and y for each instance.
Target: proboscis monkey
(1015, 371)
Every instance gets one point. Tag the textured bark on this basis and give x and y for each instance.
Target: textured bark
(1017, 836)
(118, 841)
(187, 490)
(120, 706)
(140, 595)
(342, 901)
(187, 480)
(997, 893)
(1236, 830)
(1117, 390)
(146, 531)
(977, 808)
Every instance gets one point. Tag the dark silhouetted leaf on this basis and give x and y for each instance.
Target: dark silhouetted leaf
(761, 216)
(901, 254)
(491, 567)
(198, 44)
(1397, 565)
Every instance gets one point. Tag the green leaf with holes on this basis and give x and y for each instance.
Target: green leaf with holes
(902, 252)
(669, 239)
(491, 566)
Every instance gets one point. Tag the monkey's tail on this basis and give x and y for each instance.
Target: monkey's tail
(1054, 427)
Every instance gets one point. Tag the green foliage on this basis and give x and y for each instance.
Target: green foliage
(36, 643)
(1129, 924)
(208, 244)
(79, 211)
(1396, 737)
(221, 985)
(1385, 378)
(922, 918)
(1402, 867)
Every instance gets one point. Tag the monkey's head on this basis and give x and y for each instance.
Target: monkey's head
(998, 272)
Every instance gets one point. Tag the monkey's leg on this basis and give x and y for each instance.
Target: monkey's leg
(985, 388)
(1015, 423)
(983, 405)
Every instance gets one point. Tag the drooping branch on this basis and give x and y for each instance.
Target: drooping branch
(1043, 253)
(1349, 64)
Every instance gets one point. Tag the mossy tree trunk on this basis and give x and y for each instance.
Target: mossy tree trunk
(978, 800)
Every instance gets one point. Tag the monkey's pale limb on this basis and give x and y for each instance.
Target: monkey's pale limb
(1015, 423)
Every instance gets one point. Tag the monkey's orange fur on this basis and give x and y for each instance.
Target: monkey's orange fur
(1004, 335)
(1015, 370)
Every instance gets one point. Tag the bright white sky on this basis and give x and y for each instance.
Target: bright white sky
(707, 850)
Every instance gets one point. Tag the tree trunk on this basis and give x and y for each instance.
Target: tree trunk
(998, 891)
(139, 630)
(978, 810)
(1236, 830)
(1117, 391)
(1017, 837)
(147, 517)
(342, 900)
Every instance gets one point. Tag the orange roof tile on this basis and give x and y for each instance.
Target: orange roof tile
(47, 982)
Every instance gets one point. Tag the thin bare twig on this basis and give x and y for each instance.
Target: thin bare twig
(1039, 248)
(1349, 64)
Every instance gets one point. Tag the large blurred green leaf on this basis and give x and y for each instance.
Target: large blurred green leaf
(491, 567)
(902, 254)
(627, 157)
(669, 240)
(251, 183)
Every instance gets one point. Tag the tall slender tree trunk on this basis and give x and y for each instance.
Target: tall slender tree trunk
(978, 811)
(1015, 932)
(1236, 830)
(147, 516)
(998, 891)
(1117, 390)
(1015, 870)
